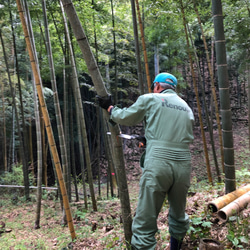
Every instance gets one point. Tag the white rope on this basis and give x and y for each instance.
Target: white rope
(15, 186)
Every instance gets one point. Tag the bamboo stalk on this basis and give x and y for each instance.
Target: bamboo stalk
(137, 48)
(206, 108)
(78, 100)
(47, 120)
(217, 204)
(248, 84)
(144, 47)
(115, 130)
(59, 123)
(234, 207)
(15, 113)
(210, 68)
(224, 93)
(3, 127)
(197, 96)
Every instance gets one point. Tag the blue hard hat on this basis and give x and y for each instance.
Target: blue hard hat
(166, 78)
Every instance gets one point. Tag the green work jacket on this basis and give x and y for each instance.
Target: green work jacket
(167, 118)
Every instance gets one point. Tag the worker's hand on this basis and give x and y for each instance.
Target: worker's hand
(104, 102)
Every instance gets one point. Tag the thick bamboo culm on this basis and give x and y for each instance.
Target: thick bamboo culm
(216, 205)
(234, 207)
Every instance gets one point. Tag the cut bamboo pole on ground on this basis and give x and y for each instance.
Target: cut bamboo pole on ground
(234, 207)
(210, 244)
(215, 205)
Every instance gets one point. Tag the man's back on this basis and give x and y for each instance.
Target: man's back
(168, 118)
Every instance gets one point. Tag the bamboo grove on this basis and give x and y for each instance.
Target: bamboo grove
(55, 56)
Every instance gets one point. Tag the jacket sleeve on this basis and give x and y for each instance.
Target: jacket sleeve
(130, 116)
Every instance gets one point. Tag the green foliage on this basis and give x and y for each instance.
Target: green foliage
(237, 21)
(199, 228)
(203, 224)
(238, 231)
(80, 214)
(13, 178)
(243, 174)
(112, 243)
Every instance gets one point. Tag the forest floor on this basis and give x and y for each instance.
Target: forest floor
(103, 229)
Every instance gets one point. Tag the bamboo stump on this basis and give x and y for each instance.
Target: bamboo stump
(210, 244)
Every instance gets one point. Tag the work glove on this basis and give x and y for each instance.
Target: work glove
(104, 102)
(142, 141)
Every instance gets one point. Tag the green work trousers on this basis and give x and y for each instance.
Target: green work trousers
(161, 178)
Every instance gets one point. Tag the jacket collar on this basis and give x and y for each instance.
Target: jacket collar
(168, 91)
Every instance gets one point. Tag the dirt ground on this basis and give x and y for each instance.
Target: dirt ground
(104, 230)
(200, 193)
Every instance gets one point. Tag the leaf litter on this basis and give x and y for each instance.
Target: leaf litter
(104, 229)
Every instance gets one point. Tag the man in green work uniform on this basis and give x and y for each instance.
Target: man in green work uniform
(168, 122)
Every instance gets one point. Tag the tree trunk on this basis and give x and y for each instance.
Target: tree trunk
(101, 90)
(94, 23)
(4, 141)
(42, 102)
(206, 109)
(114, 87)
(248, 84)
(12, 90)
(39, 158)
(31, 150)
(156, 60)
(81, 156)
(78, 99)
(44, 153)
(59, 122)
(210, 68)
(137, 48)
(72, 147)
(98, 139)
(226, 115)
(111, 175)
(66, 79)
(197, 97)
(144, 47)
(24, 131)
